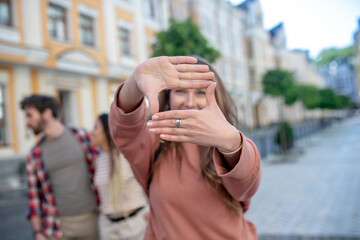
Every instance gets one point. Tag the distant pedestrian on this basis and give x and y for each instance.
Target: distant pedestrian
(197, 169)
(60, 168)
(123, 202)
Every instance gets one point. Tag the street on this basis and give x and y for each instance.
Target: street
(314, 191)
(310, 193)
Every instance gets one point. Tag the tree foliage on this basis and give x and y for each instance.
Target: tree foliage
(181, 39)
(309, 95)
(277, 82)
(285, 136)
(330, 54)
(344, 101)
(281, 83)
(328, 99)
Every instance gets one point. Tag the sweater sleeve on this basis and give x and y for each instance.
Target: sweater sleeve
(131, 136)
(243, 180)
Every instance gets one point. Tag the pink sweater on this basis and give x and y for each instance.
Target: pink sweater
(182, 205)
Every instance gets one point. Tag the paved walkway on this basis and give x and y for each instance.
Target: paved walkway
(313, 191)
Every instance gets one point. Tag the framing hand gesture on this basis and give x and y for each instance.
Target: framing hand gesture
(157, 74)
(206, 127)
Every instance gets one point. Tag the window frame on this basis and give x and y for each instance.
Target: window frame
(91, 29)
(10, 12)
(130, 54)
(150, 9)
(64, 20)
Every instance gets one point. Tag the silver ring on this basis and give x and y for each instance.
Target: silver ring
(177, 123)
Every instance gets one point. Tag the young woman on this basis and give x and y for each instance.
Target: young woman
(198, 170)
(122, 201)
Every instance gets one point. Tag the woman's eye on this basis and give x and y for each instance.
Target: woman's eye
(201, 92)
(179, 91)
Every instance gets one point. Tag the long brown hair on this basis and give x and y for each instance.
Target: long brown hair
(227, 106)
(116, 181)
(113, 151)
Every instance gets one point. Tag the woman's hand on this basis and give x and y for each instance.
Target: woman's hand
(206, 127)
(157, 74)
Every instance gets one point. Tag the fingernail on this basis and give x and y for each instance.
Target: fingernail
(152, 130)
(155, 117)
(149, 124)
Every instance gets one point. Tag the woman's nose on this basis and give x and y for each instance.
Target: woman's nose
(190, 101)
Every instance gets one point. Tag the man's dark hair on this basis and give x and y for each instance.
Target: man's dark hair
(40, 103)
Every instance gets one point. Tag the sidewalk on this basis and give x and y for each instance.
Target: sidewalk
(313, 192)
(13, 201)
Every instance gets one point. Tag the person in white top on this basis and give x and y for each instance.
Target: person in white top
(123, 204)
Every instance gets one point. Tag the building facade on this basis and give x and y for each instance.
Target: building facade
(76, 50)
(341, 77)
(80, 51)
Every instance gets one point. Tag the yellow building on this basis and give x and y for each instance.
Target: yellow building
(76, 50)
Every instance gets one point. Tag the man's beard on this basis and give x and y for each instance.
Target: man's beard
(39, 127)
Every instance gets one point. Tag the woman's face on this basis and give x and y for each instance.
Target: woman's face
(182, 99)
(97, 136)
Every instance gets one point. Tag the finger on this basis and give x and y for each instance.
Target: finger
(175, 138)
(182, 59)
(193, 84)
(153, 103)
(168, 123)
(210, 94)
(170, 131)
(174, 114)
(192, 68)
(195, 75)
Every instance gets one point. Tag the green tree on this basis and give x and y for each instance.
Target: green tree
(329, 54)
(292, 94)
(278, 82)
(285, 136)
(309, 95)
(281, 83)
(328, 99)
(344, 101)
(183, 38)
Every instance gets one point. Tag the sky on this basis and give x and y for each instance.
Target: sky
(313, 24)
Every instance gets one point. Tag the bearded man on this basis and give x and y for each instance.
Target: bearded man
(62, 198)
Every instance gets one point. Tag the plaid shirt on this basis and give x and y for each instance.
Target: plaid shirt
(41, 197)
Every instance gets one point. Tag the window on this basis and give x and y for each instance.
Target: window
(2, 115)
(238, 76)
(5, 13)
(237, 42)
(250, 48)
(224, 36)
(228, 75)
(69, 110)
(87, 30)
(252, 77)
(125, 41)
(57, 22)
(207, 23)
(150, 8)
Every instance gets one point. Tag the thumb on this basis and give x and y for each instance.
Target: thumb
(153, 103)
(210, 94)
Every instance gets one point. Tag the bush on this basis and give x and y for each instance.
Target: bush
(285, 136)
